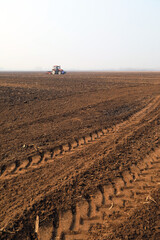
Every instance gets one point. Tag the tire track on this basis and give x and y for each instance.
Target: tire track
(49, 155)
(108, 205)
(18, 167)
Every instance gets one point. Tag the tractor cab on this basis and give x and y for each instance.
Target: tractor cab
(57, 70)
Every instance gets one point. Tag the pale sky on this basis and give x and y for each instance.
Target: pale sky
(79, 34)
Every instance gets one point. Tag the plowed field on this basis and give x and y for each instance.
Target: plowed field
(79, 156)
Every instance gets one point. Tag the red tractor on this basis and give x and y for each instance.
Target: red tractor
(57, 70)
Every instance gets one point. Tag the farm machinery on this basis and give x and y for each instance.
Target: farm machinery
(57, 70)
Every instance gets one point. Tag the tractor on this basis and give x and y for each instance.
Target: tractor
(57, 70)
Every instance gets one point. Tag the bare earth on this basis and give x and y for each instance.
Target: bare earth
(79, 156)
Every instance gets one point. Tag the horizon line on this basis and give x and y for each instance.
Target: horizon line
(89, 70)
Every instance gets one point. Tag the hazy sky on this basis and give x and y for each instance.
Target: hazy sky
(79, 34)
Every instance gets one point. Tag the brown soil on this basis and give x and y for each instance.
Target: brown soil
(80, 153)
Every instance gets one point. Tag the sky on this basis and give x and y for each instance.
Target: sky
(79, 34)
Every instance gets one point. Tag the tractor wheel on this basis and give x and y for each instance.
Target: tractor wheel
(53, 72)
(59, 72)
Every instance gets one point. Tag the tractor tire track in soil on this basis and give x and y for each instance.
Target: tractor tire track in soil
(109, 205)
(19, 167)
